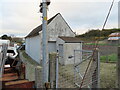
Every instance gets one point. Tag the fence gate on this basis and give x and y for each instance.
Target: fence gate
(3, 52)
(84, 73)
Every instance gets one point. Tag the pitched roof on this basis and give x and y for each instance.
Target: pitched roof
(115, 34)
(71, 39)
(114, 38)
(36, 31)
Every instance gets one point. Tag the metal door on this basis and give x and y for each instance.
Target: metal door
(61, 53)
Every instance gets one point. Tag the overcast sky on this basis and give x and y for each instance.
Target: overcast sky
(19, 17)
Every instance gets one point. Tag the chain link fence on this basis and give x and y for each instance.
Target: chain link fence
(108, 61)
(108, 53)
(83, 73)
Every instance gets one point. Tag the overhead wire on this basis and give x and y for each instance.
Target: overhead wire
(108, 15)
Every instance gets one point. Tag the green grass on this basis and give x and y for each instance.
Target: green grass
(109, 58)
(29, 59)
(102, 44)
(108, 75)
(95, 44)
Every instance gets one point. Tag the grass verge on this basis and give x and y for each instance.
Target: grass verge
(109, 58)
(29, 59)
(107, 75)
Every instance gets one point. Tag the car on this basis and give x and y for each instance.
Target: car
(12, 52)
(21, 47)
(12, 56)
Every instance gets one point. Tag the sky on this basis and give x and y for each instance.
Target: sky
(19, 17)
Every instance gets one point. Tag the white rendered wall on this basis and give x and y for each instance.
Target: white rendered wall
(58, 27)
(69, 51)
(33, 48)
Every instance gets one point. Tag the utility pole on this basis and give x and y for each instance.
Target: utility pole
(44, 42)
(43, 10)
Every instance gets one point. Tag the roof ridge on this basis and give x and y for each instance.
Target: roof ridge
(39, 28)
(71, 39)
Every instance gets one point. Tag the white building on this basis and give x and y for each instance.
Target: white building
(4, 42)
(66, 47)
(56, 27)
(114, 38)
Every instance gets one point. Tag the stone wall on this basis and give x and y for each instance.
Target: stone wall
(30, 66)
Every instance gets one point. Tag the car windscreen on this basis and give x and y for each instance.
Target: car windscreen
(11, 51)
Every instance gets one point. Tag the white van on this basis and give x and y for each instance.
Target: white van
(4, 42)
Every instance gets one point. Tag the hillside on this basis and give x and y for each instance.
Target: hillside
(95, 34)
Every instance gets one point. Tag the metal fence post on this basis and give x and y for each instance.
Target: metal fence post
(96, 74)
(52, 69)
(118, 69)
(3, 59)
(38, 77)
(98, 67)
(57, 69)
(74, 68)
(4, 52)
